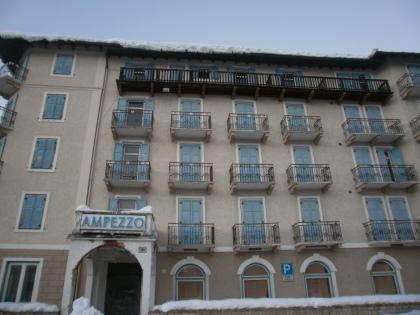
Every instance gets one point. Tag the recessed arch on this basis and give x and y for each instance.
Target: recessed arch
(256, 260)
(382, 256)
(190, 260)
(390, 276)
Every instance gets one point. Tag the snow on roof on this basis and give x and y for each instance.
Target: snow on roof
(28, 307)
(238, 304)
(172, 46)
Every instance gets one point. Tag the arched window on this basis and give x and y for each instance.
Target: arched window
(255, 281)
(384, 278)
(318, 280)
(190, 283)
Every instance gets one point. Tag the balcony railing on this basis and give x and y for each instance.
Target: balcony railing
(409, 85)
(7, 118)
(308, 176)
(248, 127)
(11, 76)
(256, 236)
(301, 128)
(252, 84)
(373, 176)
(190, 125)
(392, 231)
(190, 236)
(322, 233)
(251, 177)
(14, 70)
(132, 122)
(134, 174)
(366, 130)
(186, 175)
(415, 127)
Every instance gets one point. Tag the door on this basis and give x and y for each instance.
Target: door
(291, 78)
(399, 211)
(249, 159)
(135, 113)
(312, 228)
(355, 125)
(190, 154)
(190, 218)
(128, 159)
(414, 71)
(253, 228)
(123, 289)
(392, 164)
(190, 116)
(365, 172)
(376, 211)
(298, 122)
(245, 120)
(302, 156)
(375, 119)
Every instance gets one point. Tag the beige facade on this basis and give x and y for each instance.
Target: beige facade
(86, 143)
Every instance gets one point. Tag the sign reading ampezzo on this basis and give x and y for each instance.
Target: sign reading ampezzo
(112, 222)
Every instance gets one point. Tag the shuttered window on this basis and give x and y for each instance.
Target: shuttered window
(32, 211)
(54, 106)
(44, 153)
(63, 64)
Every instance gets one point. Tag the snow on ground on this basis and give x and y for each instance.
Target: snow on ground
(238, 304)
(27, 307)
(81, 306)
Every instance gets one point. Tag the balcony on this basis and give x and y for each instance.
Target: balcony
(114, 224)
(252, 84)
(384, 177)
(194, 125)
(7, 119)
(372, 131)
(301, 128)
(323, 234)
(190, 237)
(409, 85)
(132, 123)
(415, 127)
(11, 77)
(251, 177)
(387, 233)
(127, 174)
(256, 237)
(253, 127)
(190, 176)
(302, 177)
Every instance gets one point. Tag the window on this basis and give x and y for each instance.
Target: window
(256, 282)
(63, 64)
(122, 203)
(54, 107)
(318, 280)
(20, 281)
(44, 154)
(384, 278)
(190, 283)
(32, 212)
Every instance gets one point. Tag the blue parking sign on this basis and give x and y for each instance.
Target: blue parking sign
(287, 271)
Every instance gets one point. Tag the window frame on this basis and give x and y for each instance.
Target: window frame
(41, 119)
(392, 273)
(267, 278)
(23, 260)
(319, 276)
(202, 279)
(55, 61)
(44, 213)
(53, 167)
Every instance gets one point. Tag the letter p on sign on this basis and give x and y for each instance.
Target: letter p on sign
(287, 271)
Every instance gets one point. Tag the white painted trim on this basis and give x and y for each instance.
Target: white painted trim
(203, 206)
(285, 103)
(38, 260)
(66, 94)
(361, 113)
(180, 99)
(26, 246)
(72, 68)
(244, 100)
(361, 146)
(366, 208)
(406, 203)
(44, 213)
(178, 149)
(237, 145)
(355, 245)
(302, 145)
(299, 198)
(51, 170)
(251, 198)
(373, 105)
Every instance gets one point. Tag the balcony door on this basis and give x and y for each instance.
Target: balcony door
(246, 118)
(131, 112)
(354, 80)
(129, 158)
(353, 112)
(375, 119)
(298, 122)
(189, 117)
(376, 212)
(311, 216)
(392, 163)
(190, 219)
(249, 160)
(366, 173)
(399, 211)
(302, 155)
(189, 155)
(177, 73)
(414, 71)
(252, 214)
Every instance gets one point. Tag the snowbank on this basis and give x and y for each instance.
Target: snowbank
(413, 312)
(144, 210)
(238, 304)
(28, 307)
(81, 306)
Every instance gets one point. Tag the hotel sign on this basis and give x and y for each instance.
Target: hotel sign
(114, 222)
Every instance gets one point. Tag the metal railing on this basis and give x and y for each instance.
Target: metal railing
(251, 173)
(308, 173)
(407, 81)
(132, 118)
(306, 124)
(14, 70)
(127, 171)
(372, 126)
(7, 118)
(247, 122)
(254, 79)
(317, 232)
(191, 234)
(191, 120)
(190, 172)
(415, 125)
(250, 234)
(373, 173)
(392, 230)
